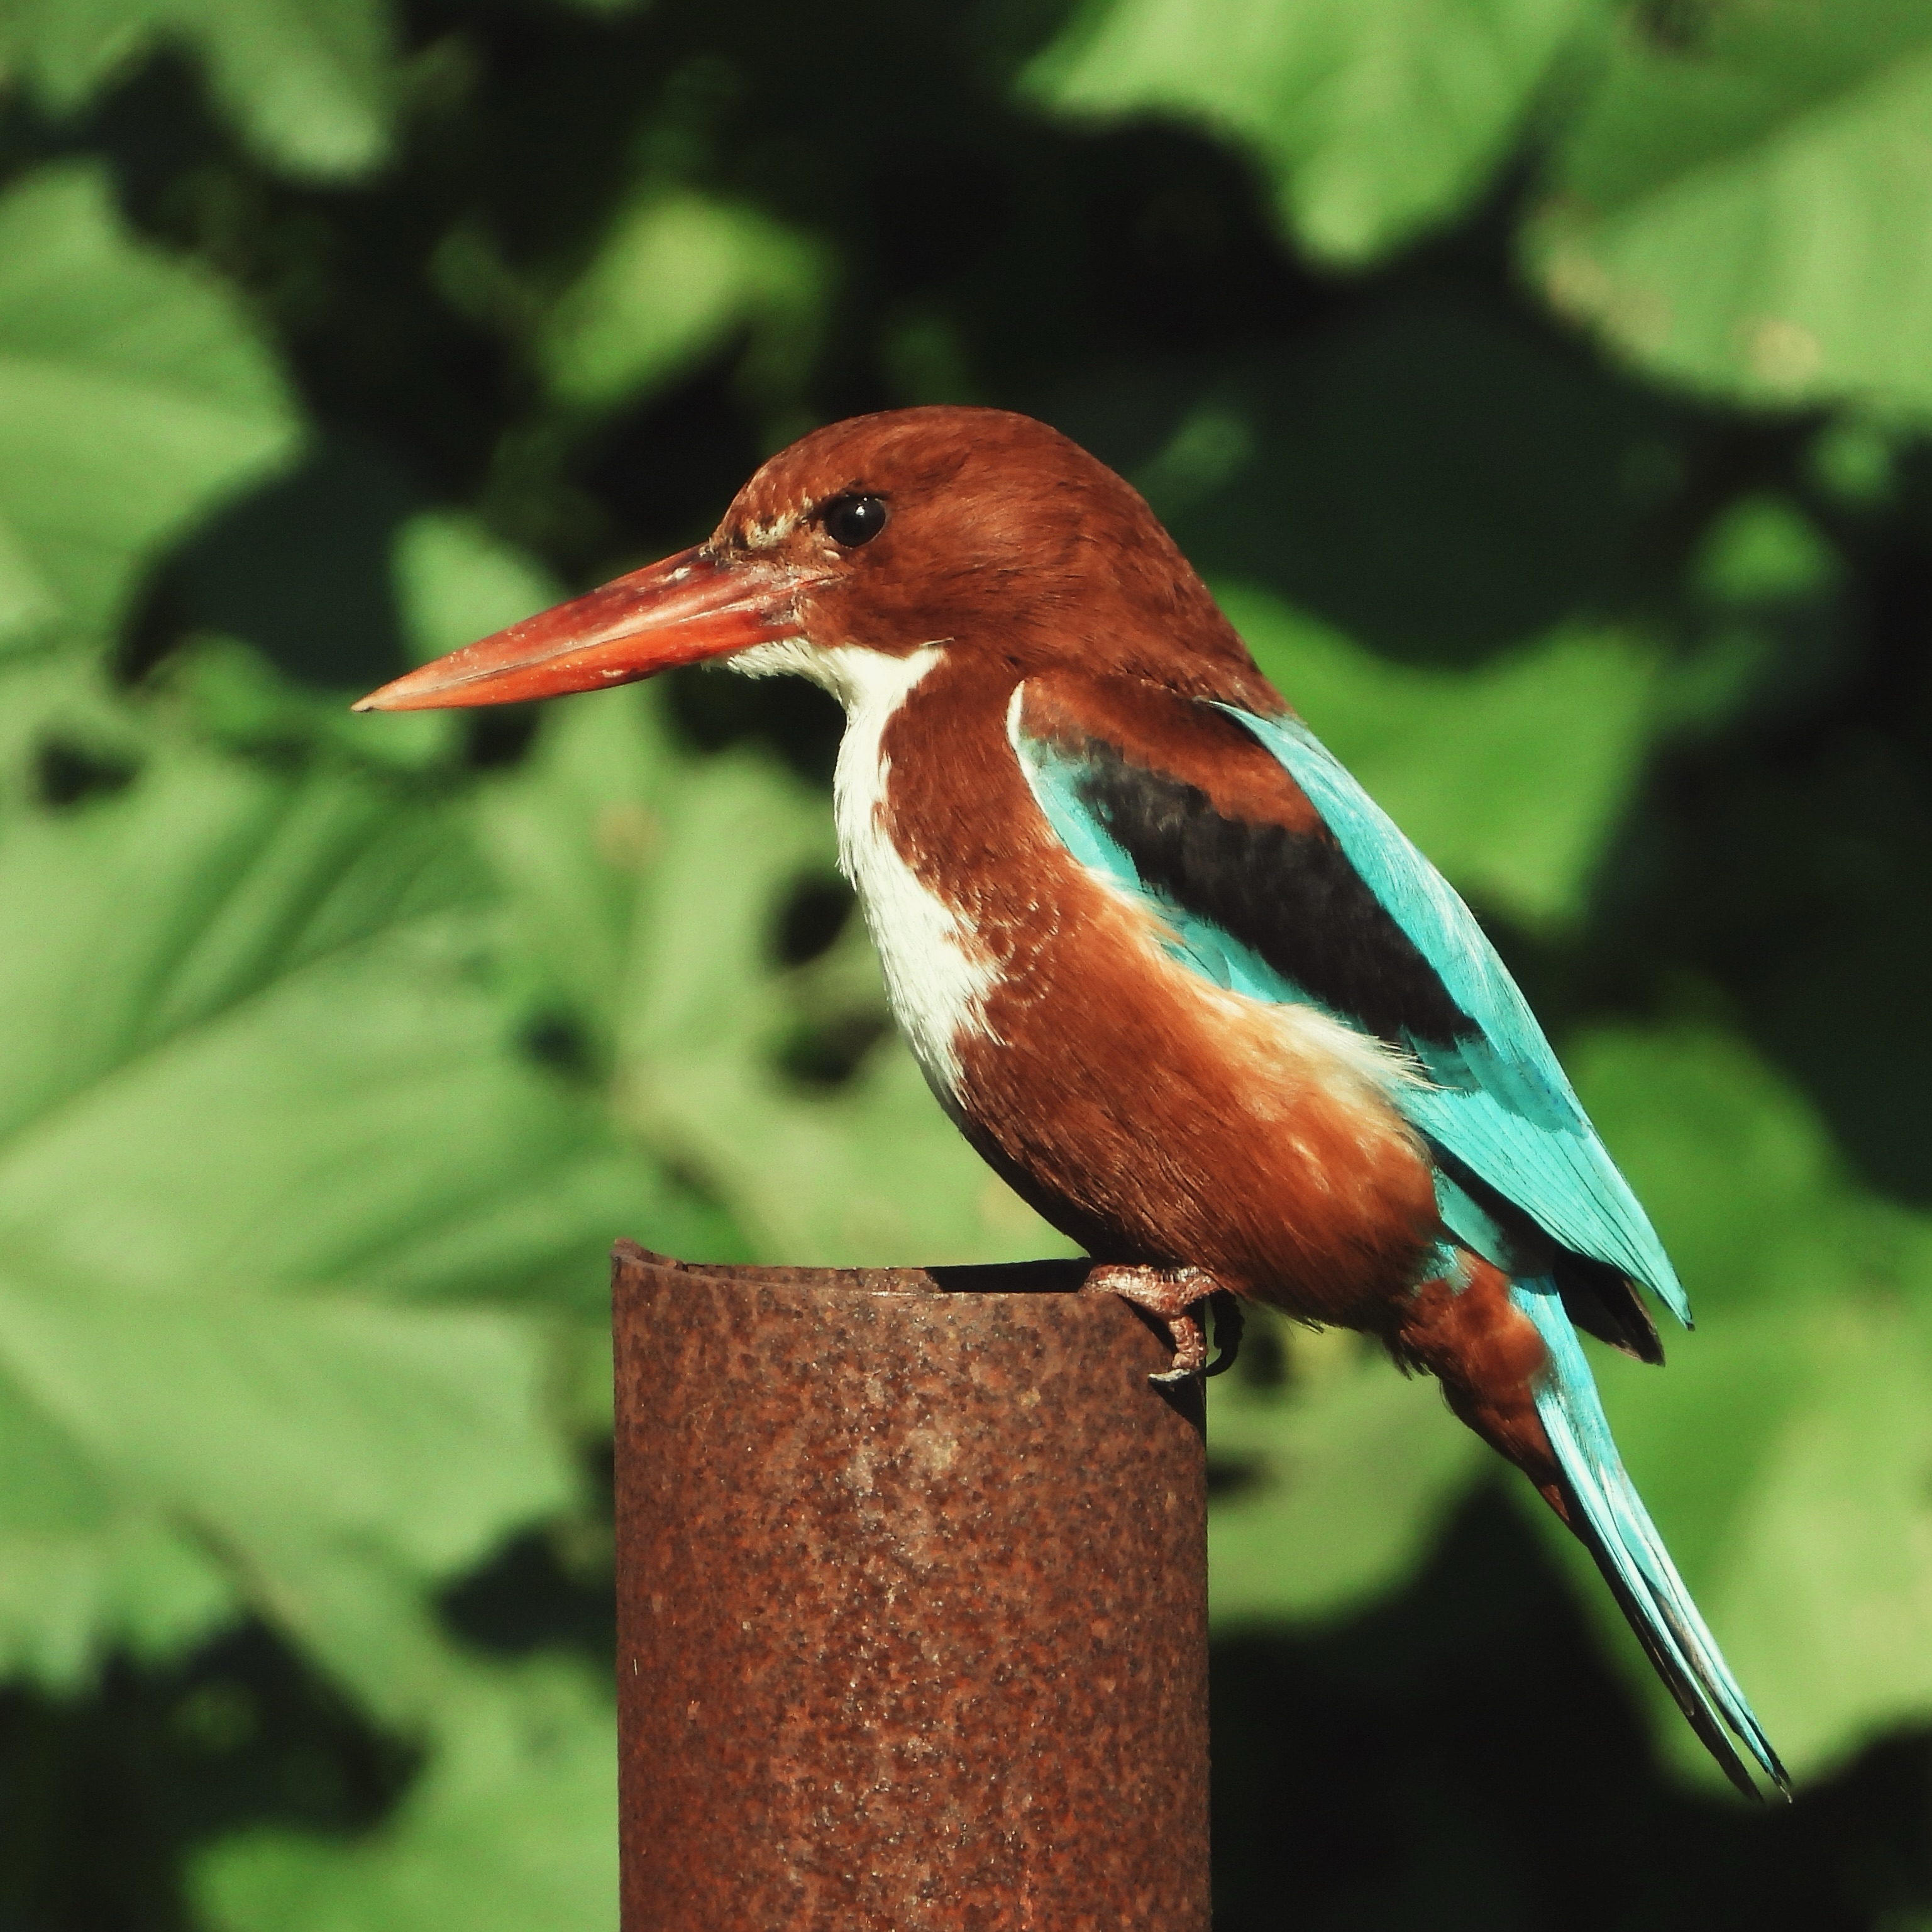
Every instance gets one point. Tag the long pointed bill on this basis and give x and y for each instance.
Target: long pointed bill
(676, 612)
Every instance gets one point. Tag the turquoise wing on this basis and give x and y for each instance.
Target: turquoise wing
(1495, 1099)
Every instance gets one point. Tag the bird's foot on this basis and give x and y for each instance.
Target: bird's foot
(1172, 1294)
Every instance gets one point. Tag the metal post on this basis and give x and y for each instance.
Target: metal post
(911, 1605)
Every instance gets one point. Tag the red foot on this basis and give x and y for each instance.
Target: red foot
(1170, 1294)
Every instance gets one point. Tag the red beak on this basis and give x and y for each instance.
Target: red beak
(687, 607)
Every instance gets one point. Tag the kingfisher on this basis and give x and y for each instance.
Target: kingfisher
(1174, 974)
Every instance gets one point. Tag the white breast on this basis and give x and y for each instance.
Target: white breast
(937, 976)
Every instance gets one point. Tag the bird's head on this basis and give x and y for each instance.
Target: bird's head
(976, 530)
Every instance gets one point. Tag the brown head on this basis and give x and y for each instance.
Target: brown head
(976, 530)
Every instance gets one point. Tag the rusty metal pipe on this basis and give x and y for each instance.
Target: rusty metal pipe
(912, 1605)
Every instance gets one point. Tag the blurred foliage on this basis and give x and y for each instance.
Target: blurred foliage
(1542, 384)
(1377, 122)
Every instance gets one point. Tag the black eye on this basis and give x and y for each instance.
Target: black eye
(853, 520)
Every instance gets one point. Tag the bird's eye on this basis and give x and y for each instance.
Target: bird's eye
(853, 520)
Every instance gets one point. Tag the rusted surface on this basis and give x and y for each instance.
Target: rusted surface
(912, 1605)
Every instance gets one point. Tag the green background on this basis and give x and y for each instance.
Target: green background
(1541, 383)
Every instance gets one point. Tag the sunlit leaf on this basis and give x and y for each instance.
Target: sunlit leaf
(1825, 1580)
(232, 697)
(133, 395)
(1737, 1172)
(455, 582)
(1377, 119)
(258, 1092)
(678, 275)
(309, 84)
(571, 832)
(1510, 777)
(1346, 1474)
(1742, 205)
(1762, 549)
(83, 1560)
(315, 1419)
(511, 1825)
(58, 707)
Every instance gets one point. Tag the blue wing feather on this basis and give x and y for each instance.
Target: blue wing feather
(1494, 1098)
(1498, 1099)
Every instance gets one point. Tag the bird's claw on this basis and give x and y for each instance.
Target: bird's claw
(1171, 1294)
(1229, 1325)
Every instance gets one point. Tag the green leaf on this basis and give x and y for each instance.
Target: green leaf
(572, 832)
(309, 84)
(60, 700)
(1742, 208)
(200, 887)
(1854, 462)
(228, 694)
(1376, 119)
(512, 1825)
(244, 1036)
(1347, 1473)
(1763, 549)
(1511, 777)
(254, 1420)
(133, 396)
(411, 1150)
(1751, 1200)
(259, 1084)
(456, 583)
(83, 1558)
(677, 276)
(1825, 1581)
(201, 1445)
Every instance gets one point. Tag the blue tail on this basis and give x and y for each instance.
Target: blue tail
(1613, 1522)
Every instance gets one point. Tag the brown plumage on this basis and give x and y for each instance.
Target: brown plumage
(1151, 1123)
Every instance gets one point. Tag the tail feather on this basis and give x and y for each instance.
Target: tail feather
(1613, 1523)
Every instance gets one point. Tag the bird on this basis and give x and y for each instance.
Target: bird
(1172, 972)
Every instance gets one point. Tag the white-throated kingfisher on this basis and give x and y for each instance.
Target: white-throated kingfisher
(1168, 967)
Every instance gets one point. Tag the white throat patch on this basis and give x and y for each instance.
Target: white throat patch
(937, 976)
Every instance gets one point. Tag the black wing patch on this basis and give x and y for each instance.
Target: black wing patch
(1292, 897)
